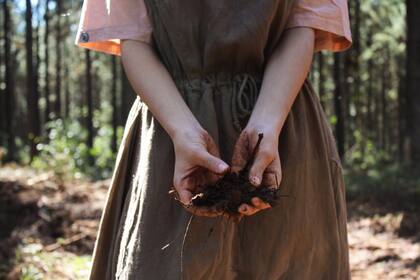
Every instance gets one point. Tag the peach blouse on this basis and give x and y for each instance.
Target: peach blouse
(103, 23)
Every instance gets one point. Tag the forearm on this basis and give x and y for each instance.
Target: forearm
(156, 88)
(284, 75)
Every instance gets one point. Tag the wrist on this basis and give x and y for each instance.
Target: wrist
(267, 124)
(184, 133)
(269, 129)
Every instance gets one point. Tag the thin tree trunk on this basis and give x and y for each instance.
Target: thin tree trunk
(31, 86)
(369, 109)
(47, 63)
(384, 109)
(37, 53)
(114, 105)
(413, 78)
(89, 101)
(356, 60)
(9, 90)
(57, 107)
(401, 111)
(346, 100)
(67, 92)
(321, 80)
(339, 126)
(67, 63)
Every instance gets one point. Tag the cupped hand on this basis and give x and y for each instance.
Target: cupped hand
(266, 167)
(197, 163)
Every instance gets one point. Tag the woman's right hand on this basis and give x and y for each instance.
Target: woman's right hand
(197, 157)
(197, 163)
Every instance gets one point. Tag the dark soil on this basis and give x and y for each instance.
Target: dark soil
(234, 189)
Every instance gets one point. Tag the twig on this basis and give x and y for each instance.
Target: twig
(65, 242)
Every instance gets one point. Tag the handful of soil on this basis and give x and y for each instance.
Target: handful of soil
(234, 189)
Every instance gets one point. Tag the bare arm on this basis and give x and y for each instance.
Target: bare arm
(152, 82)
(284, 75)
(196, 155)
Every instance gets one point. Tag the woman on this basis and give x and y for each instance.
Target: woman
(212, 75)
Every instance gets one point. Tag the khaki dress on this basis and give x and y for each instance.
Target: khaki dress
(216, 52)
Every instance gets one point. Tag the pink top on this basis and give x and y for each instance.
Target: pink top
(103, 23)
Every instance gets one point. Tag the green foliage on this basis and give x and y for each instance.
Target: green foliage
(372, 172)
(391, 183)
(66, 152)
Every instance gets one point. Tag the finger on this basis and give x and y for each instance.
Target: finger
(185, 196)
(261, 162)
(204, 211)
(183, 189)
(273, 175)
(212, 163)
(247, 210)
(241, 153)
(271, 179)
(259, 204)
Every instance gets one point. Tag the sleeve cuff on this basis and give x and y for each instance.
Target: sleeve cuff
(329, 34)
(108, 39)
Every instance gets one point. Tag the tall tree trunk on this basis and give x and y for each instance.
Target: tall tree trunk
(370, 97)
(67, 92)
(9, 90)
(57, 104)
(321, 78)
(37, 53)
(114, 104)
(67, 65)
(347, 92)
(338, 100)
(89, 101)
(47, 63)
(31, 85)
(413, 77)
(402, 131)
(384, 106)
(356, 58)
(358, 100)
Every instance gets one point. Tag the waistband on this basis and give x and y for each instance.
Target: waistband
(244, 88)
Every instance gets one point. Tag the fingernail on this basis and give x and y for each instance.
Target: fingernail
(222, 167)
(255, 180)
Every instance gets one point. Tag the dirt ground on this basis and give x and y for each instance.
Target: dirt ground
(48, 228)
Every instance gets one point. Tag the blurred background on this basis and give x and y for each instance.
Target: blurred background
(62, 111)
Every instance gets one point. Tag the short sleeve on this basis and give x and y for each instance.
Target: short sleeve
(104, 23)
(329, 18)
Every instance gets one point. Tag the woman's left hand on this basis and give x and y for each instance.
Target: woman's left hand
(265, 169)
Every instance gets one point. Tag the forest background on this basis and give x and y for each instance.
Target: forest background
(62, 111)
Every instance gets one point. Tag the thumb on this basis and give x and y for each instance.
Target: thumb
(185, 196)
(183, 189)
(212, 163)
(262, 160)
